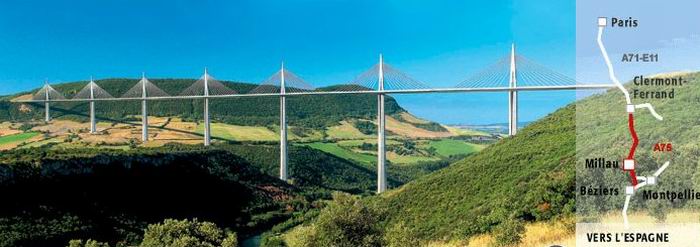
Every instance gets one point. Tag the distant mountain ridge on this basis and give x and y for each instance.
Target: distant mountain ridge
(309, 111)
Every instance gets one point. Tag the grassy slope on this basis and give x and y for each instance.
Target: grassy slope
(336, 150)
(532, 175)
(518, 174)
(449, 147)
(605, 134)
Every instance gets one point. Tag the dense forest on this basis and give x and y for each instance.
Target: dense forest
(55, 195)
(52, 196)
(309, 111)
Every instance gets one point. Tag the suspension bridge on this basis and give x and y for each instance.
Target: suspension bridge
(512, 74)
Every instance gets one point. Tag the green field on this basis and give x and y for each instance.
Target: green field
(449, 147)
(334, 149)
(239, 133)
(17, 137)
(347, 150)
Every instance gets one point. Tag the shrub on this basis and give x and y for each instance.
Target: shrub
(509, 232)
(399, 235)
(187, 233)
(347, 221)
(658, 210)
(87, 243)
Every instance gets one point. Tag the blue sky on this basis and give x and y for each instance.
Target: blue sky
(672, 31)
(437, 42)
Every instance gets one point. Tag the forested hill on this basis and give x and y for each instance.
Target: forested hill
(532, 176)
(308, 111)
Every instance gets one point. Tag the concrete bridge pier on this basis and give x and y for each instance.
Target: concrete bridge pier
(381, 138)
(207, 123)
(47, 107)
(93, 127)
(512, 96)
(144, 111)
(283, 127)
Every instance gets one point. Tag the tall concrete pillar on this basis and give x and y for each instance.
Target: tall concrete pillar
(381, 149)
(283, 127)
(512, 96)
(144, 111)
(93, 127)
(47, 107)
(207, 125)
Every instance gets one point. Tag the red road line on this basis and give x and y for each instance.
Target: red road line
(633, 176)
(635, 142)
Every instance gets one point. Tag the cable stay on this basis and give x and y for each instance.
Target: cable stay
(51, 95)
(214, 86)
(528, 73)
(97, 92)
(394, 79)
(292, 84)
(147, 87)
(531, 73)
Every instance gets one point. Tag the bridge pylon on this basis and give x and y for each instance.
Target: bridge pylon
(93, 127)
(47, 107)
(381, 125)
(512, 95)
(207, 123)
(283, 127)
(144, 110)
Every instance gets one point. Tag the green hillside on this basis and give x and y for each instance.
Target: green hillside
(308, 111)
(516, 177)
(532, 176)
(680, 127)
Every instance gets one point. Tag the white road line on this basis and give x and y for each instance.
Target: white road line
(651, 109)
(611, 72)
(658, 172)
(624, 211)
(639, 185)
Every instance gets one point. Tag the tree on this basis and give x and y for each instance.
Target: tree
(347, 221)
(187, 233)
(509, 232)
(400, 235)
(87, 243)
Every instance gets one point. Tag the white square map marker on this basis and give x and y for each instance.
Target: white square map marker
(602, 21)
(629, 190)
(630, 108)
(651, 180)
(628, 165)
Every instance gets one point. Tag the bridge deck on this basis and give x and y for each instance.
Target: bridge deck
(400, 91)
